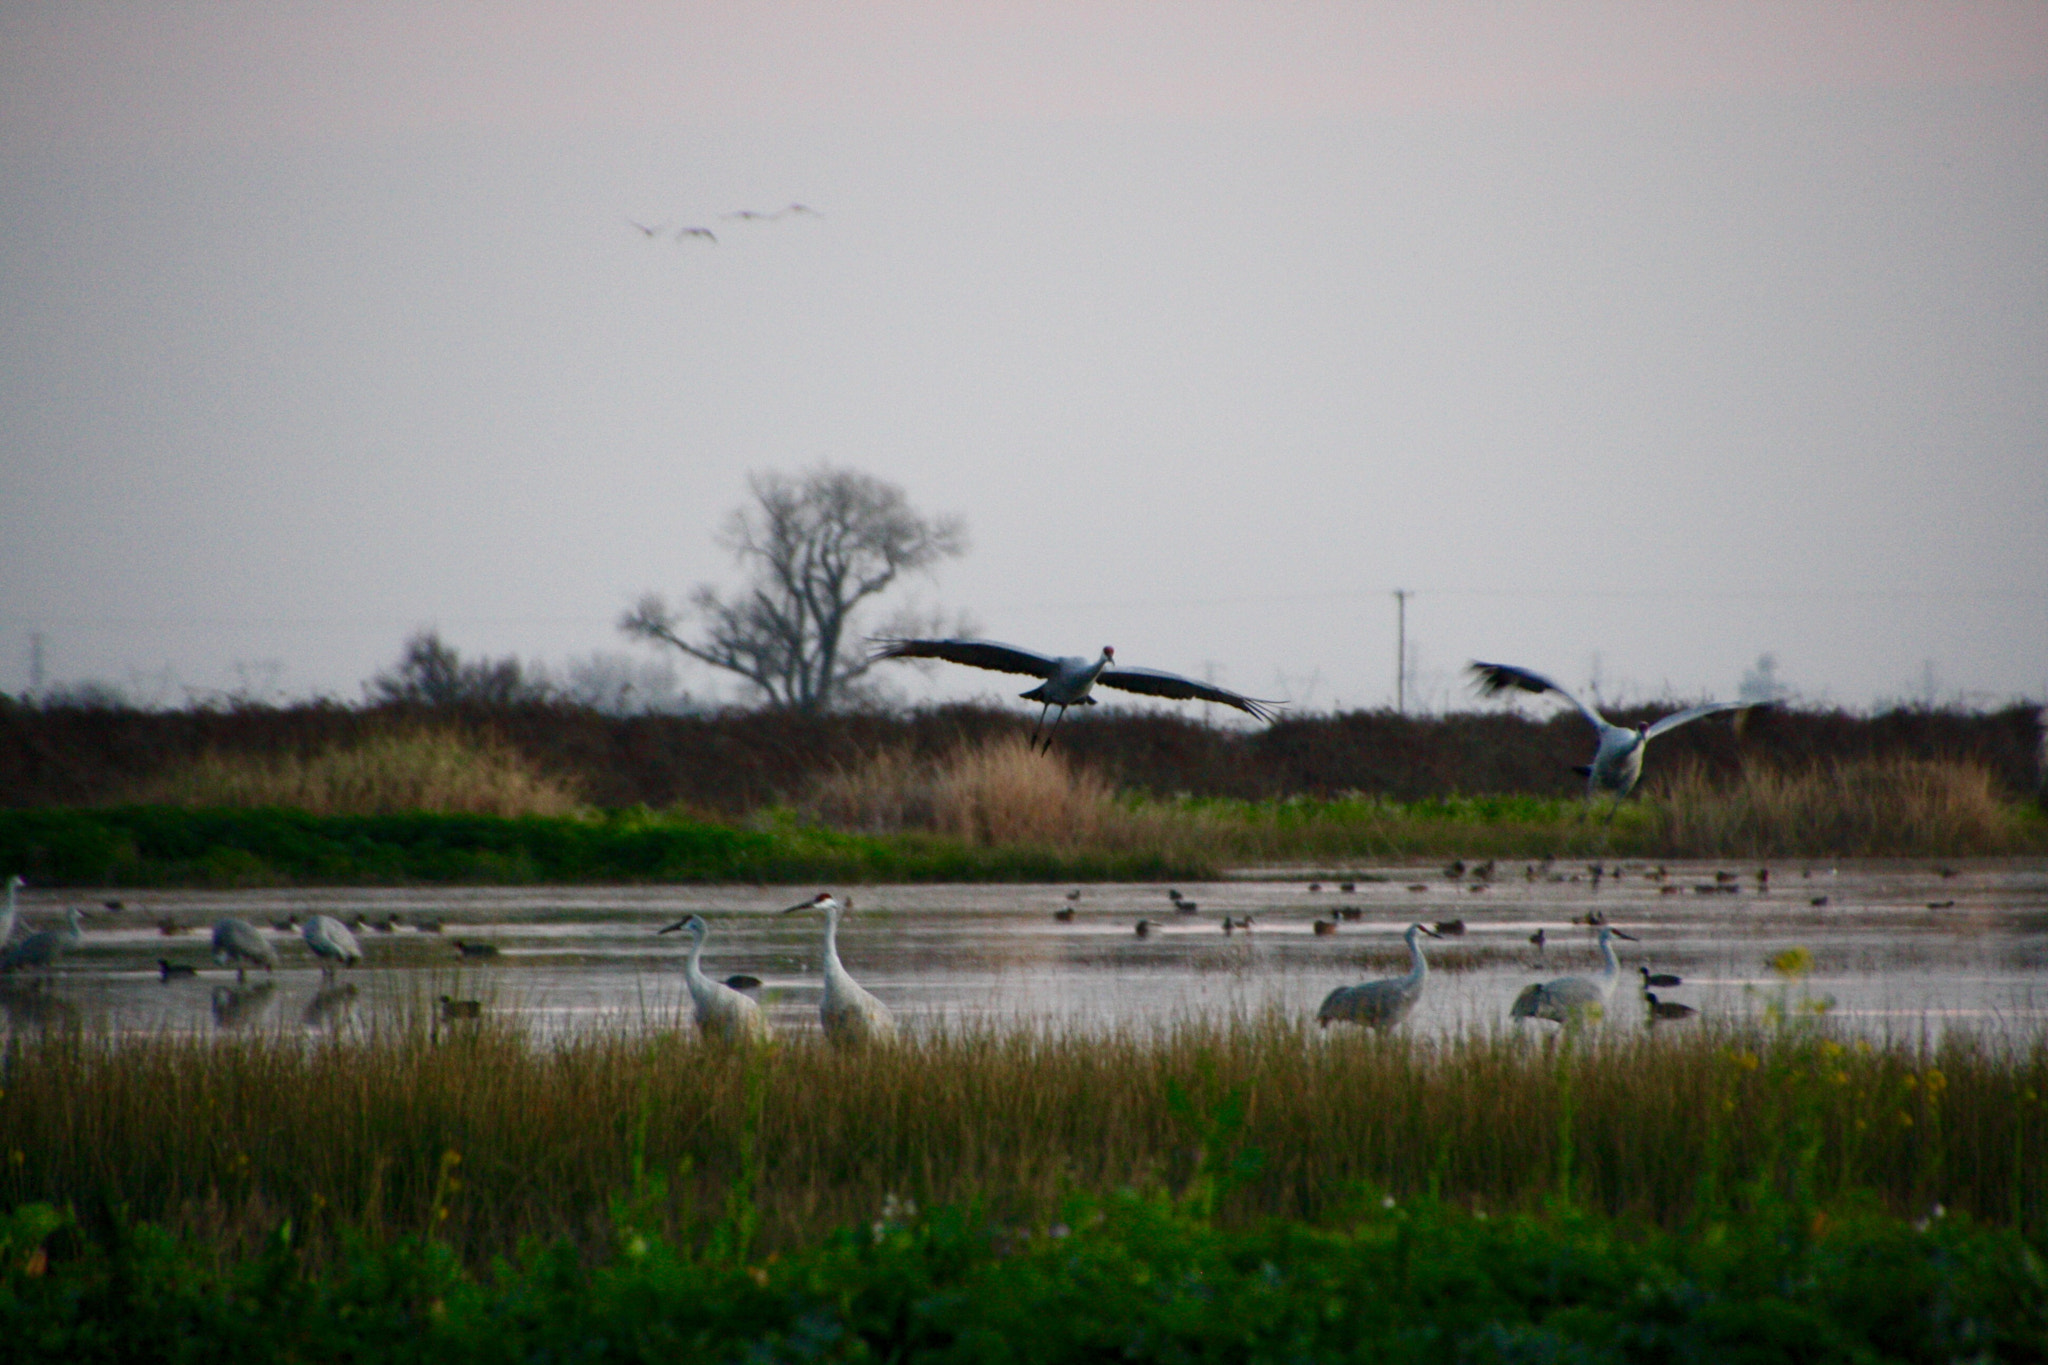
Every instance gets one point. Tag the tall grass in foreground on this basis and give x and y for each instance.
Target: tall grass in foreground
(488, 1138)
(414, 769)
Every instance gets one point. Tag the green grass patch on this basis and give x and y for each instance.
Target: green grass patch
(1131, 1277)
(162, 846)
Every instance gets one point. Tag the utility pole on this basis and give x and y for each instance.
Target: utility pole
(1401, 650)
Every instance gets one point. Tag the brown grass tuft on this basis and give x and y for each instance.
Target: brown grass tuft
(401, 770)
(1870, 808)
(1000, 793)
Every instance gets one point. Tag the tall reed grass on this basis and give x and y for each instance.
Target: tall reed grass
(1893, 806)
(1000, 793)
(401, 770)
(489, 1138)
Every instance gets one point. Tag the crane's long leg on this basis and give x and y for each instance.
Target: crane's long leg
(1055, 725)
(1039, 726)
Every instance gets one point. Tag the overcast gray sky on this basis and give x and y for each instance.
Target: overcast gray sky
(1637, 340)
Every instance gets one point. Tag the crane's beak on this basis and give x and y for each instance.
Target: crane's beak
(1623, 933)
(673, 927)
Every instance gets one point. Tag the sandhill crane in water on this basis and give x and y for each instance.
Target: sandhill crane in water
(237, 944)
(7, 916)
(851, 1017)
(1618, 761)
(1069, 681)
(723, 1013)
(332, 943)
(1570, 999)
(41, 948)
(1383, 1003)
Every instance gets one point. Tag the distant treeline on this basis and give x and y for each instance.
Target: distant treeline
(732, 763)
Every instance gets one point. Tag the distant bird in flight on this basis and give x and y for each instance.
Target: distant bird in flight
(646, 231)
(1068, 681)
(1618, 762)
(706, 233)
(757, 216)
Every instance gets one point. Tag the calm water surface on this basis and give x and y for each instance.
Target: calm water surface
(1900, 950)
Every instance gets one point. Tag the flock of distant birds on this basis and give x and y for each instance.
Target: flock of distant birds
(695, 232)
(852, 1016)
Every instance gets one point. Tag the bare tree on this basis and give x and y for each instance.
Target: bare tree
(816, 546)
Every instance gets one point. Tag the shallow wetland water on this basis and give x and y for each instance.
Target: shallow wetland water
(1900, 949)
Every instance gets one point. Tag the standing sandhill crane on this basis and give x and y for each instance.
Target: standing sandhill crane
(1383, 1003)
(7, 916)
(1618, 762)
(1068, 681)
(332, 943)
(1570, 999)
(237, 944)
(41, 948)
(723, 1013)
(851, 1017)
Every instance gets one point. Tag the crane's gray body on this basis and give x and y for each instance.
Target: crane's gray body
(1383, 1003)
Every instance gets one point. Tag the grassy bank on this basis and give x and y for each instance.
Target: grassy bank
(161, 846)
(428, 806)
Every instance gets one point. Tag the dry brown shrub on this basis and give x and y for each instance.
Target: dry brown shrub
(383, 774)
(1001, 793)
(1866, 807)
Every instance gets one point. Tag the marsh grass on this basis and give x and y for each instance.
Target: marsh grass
(998, 793)
(487, 1138)
(400, 770)
(1003, 794)
(1893, 806)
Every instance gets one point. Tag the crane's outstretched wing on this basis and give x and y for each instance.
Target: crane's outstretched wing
(1678, 718)
(974, 653)
(1152, 683)
(1494, 679)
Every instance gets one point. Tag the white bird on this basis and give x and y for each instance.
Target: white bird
(1618, 761)
(237, 944)
(1569, 999)
(41, 948)
(852, 1017)
(1383, 1003)
(1068, 681)
(331, 942)
(723, 1013)
(7, 917)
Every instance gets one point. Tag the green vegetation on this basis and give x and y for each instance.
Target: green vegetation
(170, 846)
(1127, 1278)
(1256, 1191)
